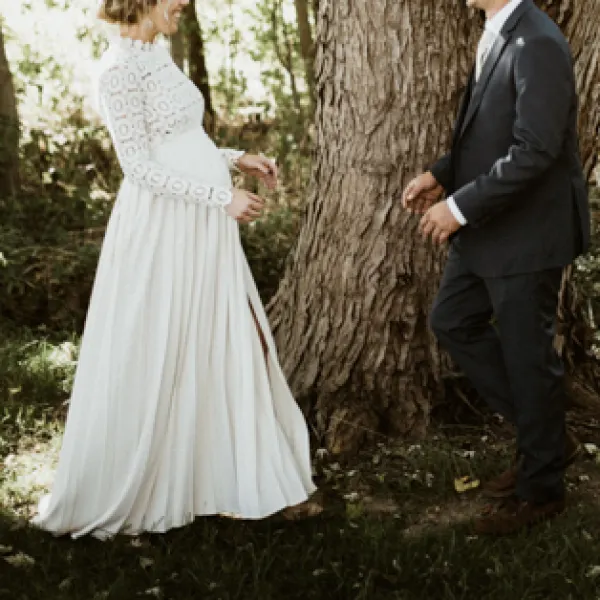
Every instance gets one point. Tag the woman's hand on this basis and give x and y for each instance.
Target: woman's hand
(245, 207)
(260, 167)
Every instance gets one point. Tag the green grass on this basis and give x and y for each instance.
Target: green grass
(393, 528)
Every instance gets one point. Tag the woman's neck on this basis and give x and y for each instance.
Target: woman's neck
(139, 32)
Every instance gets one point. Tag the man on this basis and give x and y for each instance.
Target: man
(516, 214)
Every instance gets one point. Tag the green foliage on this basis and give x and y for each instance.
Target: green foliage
(50, 233)
(230, 84)
(270, 38)
(50, 236)
(277, 47)
(46, 270)
(267, 243)
(587, 278)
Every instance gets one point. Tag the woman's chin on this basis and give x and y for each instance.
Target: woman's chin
(170, 28)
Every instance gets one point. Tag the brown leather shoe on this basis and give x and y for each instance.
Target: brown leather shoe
(515, 514)
(505, 484)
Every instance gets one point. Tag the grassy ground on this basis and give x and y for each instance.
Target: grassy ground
(394, 526)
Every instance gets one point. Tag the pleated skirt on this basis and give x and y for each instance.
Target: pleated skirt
(175, 413)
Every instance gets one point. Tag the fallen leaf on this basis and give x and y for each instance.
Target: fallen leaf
(465, 484)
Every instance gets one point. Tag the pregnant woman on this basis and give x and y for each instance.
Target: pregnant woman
(179, 406)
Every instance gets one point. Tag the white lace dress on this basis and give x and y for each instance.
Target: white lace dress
(174, 412)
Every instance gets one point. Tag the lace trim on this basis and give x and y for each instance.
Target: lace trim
(124, 102)
(128, 43)
(231, 157)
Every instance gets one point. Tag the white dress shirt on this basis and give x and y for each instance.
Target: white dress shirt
(493, 25)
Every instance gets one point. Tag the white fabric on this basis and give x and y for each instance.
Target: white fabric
(483, 49)
(497, 22)
(456, 213)
(493, 28)
(174, 412)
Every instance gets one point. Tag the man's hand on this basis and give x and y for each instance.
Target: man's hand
(439, 223)
(421, 193)
(260, 167)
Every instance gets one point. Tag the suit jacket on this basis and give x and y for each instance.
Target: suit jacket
(514, 168)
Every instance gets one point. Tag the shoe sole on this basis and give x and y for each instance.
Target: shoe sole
(506, 493)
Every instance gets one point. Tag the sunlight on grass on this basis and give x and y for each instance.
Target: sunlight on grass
(394, 527)
(37, 379)
(28, 472)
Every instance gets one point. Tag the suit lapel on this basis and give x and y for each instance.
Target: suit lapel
(479, 89)
(464, 106)
(491, 62)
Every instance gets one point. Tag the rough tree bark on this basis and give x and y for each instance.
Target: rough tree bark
(580, 22)
(9, 128)
(350, 316)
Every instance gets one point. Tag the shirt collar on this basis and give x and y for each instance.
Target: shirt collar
(497, 22)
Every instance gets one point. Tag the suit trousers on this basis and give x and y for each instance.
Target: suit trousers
(500, 331)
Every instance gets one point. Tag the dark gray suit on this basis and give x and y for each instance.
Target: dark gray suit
(515, 174)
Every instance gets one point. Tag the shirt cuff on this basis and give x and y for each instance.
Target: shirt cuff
(456, 211)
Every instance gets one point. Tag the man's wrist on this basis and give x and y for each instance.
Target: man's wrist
(456, 212)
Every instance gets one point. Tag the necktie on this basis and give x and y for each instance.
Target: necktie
(483, 49)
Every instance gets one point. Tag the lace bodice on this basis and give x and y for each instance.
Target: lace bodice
(145, 100)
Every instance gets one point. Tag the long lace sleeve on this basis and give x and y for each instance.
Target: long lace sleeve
(122, 103)
(231, 157)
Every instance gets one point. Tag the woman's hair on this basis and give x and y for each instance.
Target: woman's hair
(123, 12)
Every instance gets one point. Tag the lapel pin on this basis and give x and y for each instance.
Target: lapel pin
(520, 41)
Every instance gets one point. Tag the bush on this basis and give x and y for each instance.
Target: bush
(48, 258)
(267, 244)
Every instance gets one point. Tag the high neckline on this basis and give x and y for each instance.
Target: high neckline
(130, 44)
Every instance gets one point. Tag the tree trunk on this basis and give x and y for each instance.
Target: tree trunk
(9, 128)
(350, 316)
(197, 62)
(306, 47)
(580, 22)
